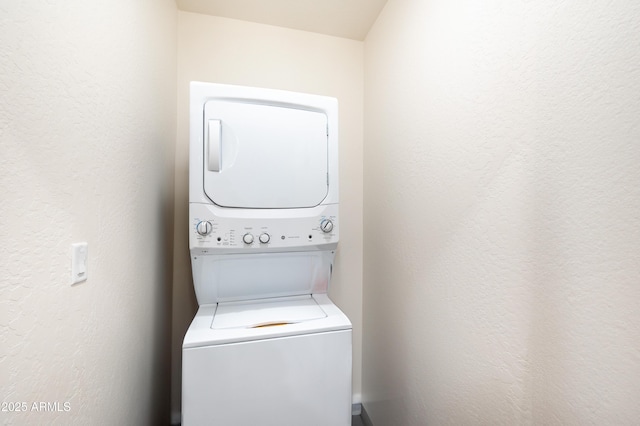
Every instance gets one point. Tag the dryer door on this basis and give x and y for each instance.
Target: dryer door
(264, 156)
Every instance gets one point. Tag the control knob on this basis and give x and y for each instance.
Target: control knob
(326, 226)
(264, 238)
(247, 238)
(204, 227)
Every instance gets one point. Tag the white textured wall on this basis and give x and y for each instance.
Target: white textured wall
(502, 213)
(87, 131)
(230, 51)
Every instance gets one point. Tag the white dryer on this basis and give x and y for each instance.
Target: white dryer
(267, 346)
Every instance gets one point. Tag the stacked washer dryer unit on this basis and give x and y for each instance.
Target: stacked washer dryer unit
(267, 346)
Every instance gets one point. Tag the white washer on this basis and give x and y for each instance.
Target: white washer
(293, 374)
(267, 346)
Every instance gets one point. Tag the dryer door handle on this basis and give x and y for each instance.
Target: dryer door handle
(214, 139)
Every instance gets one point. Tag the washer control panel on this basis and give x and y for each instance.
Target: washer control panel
(213, 233)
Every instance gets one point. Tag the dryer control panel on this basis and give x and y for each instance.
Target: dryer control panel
(261, 231)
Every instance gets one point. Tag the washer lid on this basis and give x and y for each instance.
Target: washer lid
(260, 155)
(202, 335)
(266, 313)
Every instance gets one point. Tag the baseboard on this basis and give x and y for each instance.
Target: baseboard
(365, 417)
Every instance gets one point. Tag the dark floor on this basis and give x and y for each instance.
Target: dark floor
(356, 421)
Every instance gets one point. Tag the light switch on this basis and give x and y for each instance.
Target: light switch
(79, 254)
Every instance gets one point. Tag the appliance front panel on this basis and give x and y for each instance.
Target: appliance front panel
(264, 231)
(233, 277)
(290, 381)
(260, 155)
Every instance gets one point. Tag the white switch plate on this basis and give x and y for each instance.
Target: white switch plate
(79, 255)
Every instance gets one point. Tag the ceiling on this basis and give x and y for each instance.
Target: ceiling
(342, 18)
